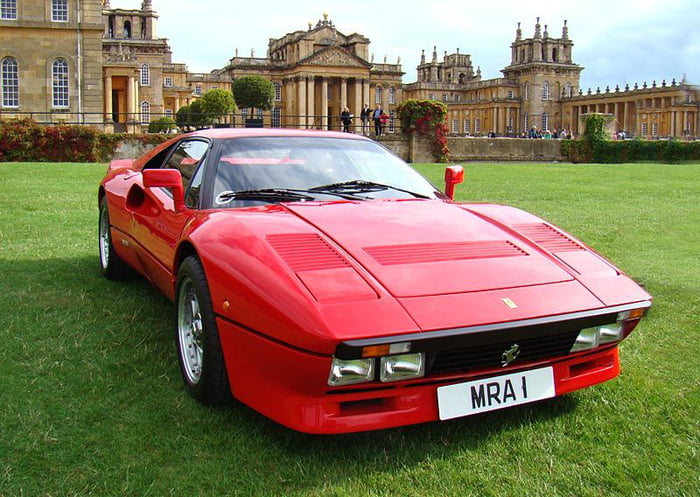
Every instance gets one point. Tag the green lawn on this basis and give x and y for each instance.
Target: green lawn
(91, 400)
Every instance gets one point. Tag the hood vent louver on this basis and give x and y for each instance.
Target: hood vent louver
(547, 237)
(306, 252)
(418, 253)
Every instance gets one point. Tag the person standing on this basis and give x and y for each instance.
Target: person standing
(364, 118)
(377, 117)
(346, 119)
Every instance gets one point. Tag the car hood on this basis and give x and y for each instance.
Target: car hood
(418, 248)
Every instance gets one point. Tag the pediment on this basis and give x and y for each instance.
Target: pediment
(335, 56)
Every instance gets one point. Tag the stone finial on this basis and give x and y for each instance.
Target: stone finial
(565, 31)
(146, 5)
(546, 32)
(538, 34)
(518, 33)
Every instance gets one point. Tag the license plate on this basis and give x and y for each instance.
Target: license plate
(498, 392)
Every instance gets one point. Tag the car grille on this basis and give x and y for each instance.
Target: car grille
(489, 356)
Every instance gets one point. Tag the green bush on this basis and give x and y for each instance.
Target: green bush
(26, 141)
(162, 125)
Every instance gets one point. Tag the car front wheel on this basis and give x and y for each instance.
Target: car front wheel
(198, 344)
(112, 266)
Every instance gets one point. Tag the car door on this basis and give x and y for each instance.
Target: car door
(157, 225)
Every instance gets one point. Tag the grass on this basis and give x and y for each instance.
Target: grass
(91, 402)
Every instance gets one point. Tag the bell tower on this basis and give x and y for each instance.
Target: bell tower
(544, 70)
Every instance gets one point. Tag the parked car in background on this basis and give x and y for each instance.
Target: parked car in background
(323, 282)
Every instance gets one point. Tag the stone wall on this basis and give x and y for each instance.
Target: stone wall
(487, 149)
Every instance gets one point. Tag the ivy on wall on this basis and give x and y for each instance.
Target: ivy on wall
(426, 118)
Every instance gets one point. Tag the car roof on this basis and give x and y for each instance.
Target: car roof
(222, 133)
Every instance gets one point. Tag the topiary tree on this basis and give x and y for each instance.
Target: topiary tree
(217, 103)
(254, 92)
(163, 125)
(182, 117)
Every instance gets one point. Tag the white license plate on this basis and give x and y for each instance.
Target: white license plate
(498, 392)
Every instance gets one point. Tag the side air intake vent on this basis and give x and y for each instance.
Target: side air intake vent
(306, 252)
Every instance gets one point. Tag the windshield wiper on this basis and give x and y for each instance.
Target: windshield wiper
(263, 194)
(360, 185)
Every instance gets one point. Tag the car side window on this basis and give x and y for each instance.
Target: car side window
(186, 158)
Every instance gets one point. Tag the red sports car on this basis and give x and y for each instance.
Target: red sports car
(323, 282)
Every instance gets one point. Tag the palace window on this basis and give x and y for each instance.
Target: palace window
(392, 126)
(168, 82)
(458, 98)
(654, 129)
(59, 10)
(567, 90)
(467, 126)
(378, 95)
(9, 79)
(545, 90)
(545, 121)
(392, 95)
(276, 117)
(329, 93)
(455, 126)
(444, 97)
(127, 29)
(431, 96)
(477, 125)
(527, 91)
(145, 113)
(145, 75)
(510, 94)
(645, 129)
(59, 84)
(278, 92)
(197, 90)
(527, 121)
(8, 9)
(168, 112)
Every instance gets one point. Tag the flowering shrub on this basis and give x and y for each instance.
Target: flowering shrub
(426, 118)
(25, 141)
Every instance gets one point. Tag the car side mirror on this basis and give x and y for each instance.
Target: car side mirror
(454, 175)
(166, 178)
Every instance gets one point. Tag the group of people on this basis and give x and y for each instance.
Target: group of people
(546, 134)
(376, 115)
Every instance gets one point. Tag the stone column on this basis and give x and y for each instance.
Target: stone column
(357, 106)
(301, 102)
(324, 103)
(343, 93)
(310, 103)
(365, 93)
(625, 116)
(108, 99)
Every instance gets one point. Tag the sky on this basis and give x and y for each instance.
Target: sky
(617, 42)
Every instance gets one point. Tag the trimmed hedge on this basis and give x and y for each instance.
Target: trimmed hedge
(617, 152)
(26, 141)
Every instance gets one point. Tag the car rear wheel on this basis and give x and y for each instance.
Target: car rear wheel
(197, 337)
(113, 267)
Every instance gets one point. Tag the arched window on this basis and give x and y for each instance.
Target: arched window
(59, 84)
(127, 29)
(545, 121)
(527, 121)
(145, 75)
(545, 90)
(378, 95)
(567, 90)
(527, 91)
(145, 113)
(9, 80)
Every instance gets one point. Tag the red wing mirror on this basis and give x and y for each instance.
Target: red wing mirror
(454, 175)
(166, 178)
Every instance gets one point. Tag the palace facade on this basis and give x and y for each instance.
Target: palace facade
(83, 61)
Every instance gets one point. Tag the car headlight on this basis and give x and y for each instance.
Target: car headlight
(590, 338)
(401, 367)
(350, 372)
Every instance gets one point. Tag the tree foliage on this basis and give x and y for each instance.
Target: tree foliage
(254, 92)
(163, 125)
(217, 103)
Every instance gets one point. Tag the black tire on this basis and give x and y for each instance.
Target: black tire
(197, 337)
(113, 267)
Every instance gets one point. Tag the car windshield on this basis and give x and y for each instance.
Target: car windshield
(260, 170)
